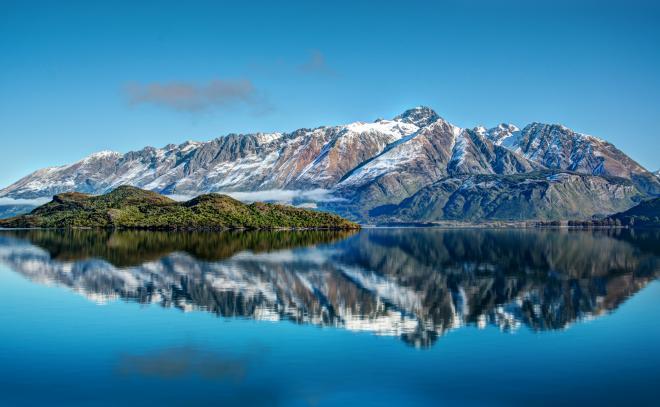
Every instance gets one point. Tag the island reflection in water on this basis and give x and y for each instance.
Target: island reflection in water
(415, 284)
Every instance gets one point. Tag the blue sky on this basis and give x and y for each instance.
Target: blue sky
(77, 77)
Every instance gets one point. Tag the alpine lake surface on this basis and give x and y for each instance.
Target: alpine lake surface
(398, 316)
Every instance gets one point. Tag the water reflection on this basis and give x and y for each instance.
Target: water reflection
(412, 283)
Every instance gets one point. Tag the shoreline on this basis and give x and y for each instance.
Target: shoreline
(432, 225)
(494, 225)
(190, 229)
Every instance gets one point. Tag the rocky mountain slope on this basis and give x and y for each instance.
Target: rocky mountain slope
(543, 195)
(303, 159)
(555, 146)
(361, 169)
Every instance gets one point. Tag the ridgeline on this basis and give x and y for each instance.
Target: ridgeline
(133, 208)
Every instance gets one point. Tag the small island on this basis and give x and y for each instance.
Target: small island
(133, 208)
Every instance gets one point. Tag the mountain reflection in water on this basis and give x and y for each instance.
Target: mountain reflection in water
(412, 283)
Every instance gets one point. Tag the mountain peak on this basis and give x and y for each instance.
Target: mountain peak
(420, 116)
(503, 134)
(506, 127)
(100, 155)
(363, 165)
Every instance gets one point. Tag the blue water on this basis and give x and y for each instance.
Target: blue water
(381, 317)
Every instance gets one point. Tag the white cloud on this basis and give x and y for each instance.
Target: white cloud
(35, 202)
(195, 97)
(284, 195)
(180, 198)
(304, 198)
(307, 205)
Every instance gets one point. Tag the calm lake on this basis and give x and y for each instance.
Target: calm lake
(375, 317)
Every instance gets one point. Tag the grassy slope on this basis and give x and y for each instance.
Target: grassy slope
(130, 207)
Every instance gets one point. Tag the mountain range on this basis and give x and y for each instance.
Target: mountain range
(413, 167)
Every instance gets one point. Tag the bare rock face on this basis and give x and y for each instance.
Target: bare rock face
(436, 152)
(401, 169)
(362, 166)
(475, 154)
(555, 146)
(304, 159)
(420, 116)
(352, 145)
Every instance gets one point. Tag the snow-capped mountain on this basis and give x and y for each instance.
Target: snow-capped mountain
(362, 167)
(435, 152)
(303, 159)
(555, 146)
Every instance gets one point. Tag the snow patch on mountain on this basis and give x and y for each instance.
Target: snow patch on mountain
(392, 127)
(102, 155)
(504, 134)
(394, 156)
(459, 149)
(384, 163)
(265, 138)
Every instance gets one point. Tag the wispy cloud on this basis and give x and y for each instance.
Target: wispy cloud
(288, 196)
(35, 202)
(194, 97)
(317, 64)
(284, 196)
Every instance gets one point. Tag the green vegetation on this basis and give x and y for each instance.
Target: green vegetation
(645, 215)
(133, 208)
